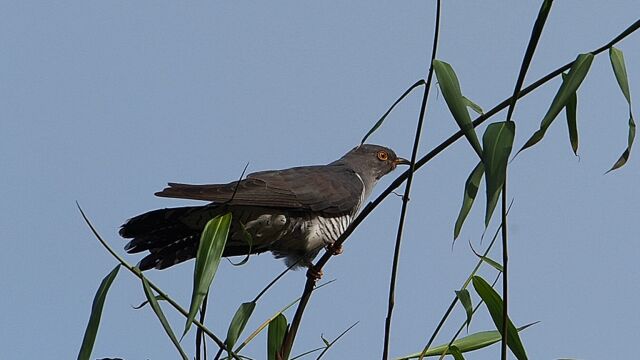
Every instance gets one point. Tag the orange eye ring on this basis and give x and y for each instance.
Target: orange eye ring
(382, 155)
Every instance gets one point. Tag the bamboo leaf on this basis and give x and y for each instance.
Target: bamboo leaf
(572, 119)
(238, 323)
(496, 265)
(275, 336)
(90, 333)
(497, 142)
(492, 262)
(153, 302)
(620, 71)
(470, 192)
(494, 304)
(569, 87)
(473, 106)
(452, 94)
(212, 242)
(466, 344)
(465, 300)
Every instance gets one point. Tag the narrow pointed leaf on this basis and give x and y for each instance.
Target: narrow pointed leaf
(381, 120)
(620, 71)
(492, 262)
(153, 302)
(465, 300)
(473, 106)
(212, 242)
(466, 344)
(572, 120)
(574, 78)
(497, 142)
(238, 323)
(275, 335)
(470, 192)
(96, 313)
(496, 265)
(494, 304)
(452, 94)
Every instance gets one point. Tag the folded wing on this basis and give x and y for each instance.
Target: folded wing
(326, 189)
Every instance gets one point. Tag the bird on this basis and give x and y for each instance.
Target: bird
(294, 213)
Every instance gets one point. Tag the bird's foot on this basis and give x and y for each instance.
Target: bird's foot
(335, 249)
(314, 273)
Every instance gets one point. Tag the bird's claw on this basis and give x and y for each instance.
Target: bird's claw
(314, 273)
(335, 249)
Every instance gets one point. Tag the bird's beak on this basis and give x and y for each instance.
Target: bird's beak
(401, 161)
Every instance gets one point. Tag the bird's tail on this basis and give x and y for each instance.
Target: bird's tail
(170, 235)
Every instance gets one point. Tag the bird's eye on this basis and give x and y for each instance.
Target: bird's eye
(382, 155)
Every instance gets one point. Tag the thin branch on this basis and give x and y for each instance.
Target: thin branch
(199, 335)
(505, 257)
(407, 189)
(291, 334)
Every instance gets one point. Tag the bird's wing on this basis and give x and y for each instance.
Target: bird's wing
(327, 189)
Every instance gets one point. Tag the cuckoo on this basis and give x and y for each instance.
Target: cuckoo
(293, 213)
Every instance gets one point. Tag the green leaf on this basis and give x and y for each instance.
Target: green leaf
(572, 119)
(238, 323)
(381, 120)
(492, 262)
(473, 106)
(494, 304)
(497, 142)
(212, 242)
(466, 344)
(456, 353)
(153, 302)
(96, 313)
(620, 71)
(275, 335)
(470, 192)
(496, 265)
(568, 88)
(452, 94)
(465, 300)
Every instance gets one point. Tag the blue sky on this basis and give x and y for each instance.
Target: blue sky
(105, 102)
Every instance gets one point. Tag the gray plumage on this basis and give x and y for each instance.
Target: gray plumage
(293, 213)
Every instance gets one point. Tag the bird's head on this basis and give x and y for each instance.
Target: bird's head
(372, 161)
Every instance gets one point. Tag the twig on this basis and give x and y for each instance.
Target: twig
(291, 334)
(199, 334)
(407, 189)
(505, 257)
